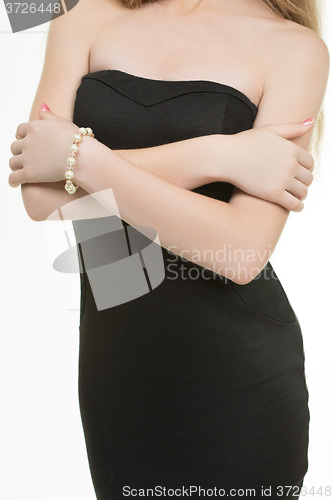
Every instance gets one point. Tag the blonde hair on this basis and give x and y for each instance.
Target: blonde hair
(308, 13)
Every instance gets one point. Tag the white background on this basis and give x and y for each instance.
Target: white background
(42, 449)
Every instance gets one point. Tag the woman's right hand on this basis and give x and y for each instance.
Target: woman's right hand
(265, 163)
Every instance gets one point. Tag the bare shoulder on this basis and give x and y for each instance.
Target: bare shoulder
(297, 45)
(297, 65)
(87, 15)
(99, 17)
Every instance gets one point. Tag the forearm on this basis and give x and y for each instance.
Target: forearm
(189, 164)
(191, 225)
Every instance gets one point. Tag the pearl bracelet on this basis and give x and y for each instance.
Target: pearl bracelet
(74, 148)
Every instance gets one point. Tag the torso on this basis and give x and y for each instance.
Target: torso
(234, 47)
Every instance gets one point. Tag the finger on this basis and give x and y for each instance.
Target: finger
(298, 189)
(290, 130)
(304, 175)
(16, 178)
(305, 159)
(16, 147)
(291, 203)
(22, 130)
(16, 162)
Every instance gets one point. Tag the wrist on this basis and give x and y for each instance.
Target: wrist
(86, 164)
(220, 161)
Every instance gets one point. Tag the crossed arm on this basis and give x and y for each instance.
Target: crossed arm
(156, 195)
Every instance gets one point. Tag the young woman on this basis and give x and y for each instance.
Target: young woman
(203, 113)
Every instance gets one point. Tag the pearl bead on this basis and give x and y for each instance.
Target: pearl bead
(71, 160)
(77, 138)
(69, 174)
(70, 188)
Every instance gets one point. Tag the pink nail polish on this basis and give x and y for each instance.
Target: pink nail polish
(44, 107)
(309, 121)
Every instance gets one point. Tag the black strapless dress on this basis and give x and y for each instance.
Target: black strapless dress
(199, 382)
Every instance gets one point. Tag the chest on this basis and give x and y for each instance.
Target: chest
(225, 50)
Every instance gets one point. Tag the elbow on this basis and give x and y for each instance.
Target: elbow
(34, 213)
(243, 274)
(247, 257)
(245, 279)
(35, 216)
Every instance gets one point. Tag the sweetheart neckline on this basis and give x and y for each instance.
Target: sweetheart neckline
(239, 92)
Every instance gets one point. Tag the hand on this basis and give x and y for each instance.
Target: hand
(41, 149)
(266, 164)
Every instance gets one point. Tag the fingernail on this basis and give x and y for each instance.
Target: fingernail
(44, 107)
(309, 121)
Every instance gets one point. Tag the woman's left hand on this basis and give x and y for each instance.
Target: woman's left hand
(41, 149)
